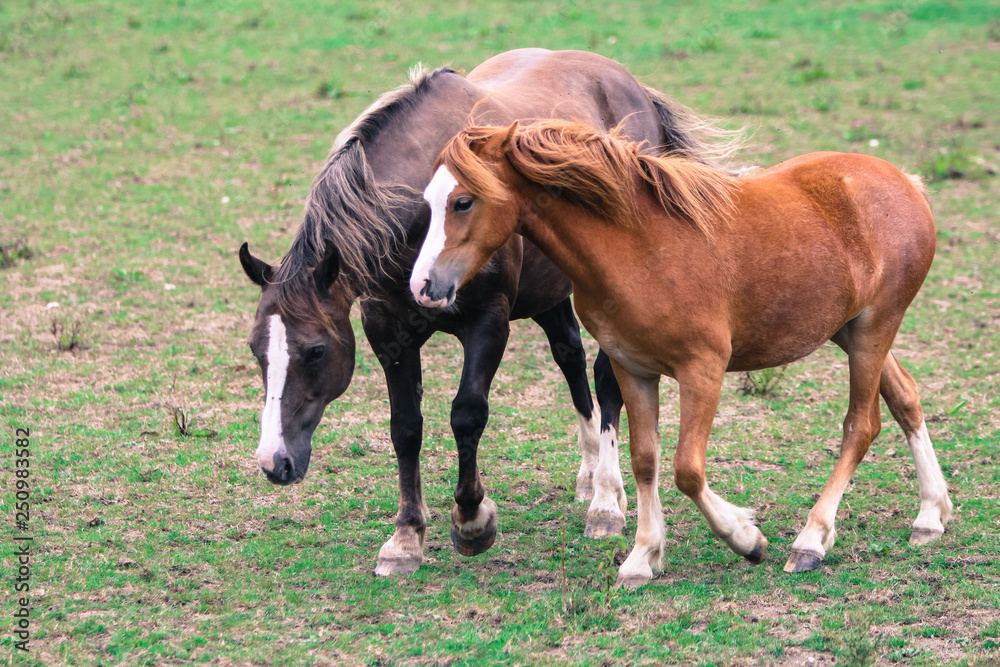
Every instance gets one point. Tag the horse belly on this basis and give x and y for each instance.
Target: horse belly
(787, 331)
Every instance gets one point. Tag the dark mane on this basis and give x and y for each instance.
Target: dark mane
(348, 208)
(597, 171)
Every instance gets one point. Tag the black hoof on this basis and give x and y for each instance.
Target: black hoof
(802, 561)
(475, 545)
(759, 553)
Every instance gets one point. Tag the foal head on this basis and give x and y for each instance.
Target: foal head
(473, 214)
(483, 177)
(304, 343)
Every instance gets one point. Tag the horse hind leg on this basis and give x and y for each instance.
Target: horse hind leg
(866, 348)
(599, 479)
(606, 515)
(899, 390)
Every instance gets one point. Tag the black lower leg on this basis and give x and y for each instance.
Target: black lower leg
(563, 332)
(609, 395)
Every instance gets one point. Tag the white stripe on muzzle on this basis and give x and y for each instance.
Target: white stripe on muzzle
(271, 438)
(437, 195)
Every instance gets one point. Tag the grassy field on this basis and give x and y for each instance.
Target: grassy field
(142, 143)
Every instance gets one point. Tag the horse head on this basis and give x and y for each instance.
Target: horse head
(303, 340)
(473, 214)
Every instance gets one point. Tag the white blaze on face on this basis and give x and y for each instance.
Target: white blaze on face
(436, 195)
(271, 438)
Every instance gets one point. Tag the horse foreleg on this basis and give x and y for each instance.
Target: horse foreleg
(403, 553)
(606, 515)
(899, 390)
(642, 402)
(866, 351)
(700, 385)
(474, 516)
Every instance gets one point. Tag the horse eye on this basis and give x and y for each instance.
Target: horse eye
(314, 353)
(463, 204)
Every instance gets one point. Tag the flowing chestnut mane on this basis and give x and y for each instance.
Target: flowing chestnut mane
(596, 171)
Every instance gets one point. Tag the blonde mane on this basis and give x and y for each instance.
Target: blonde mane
(596, 171)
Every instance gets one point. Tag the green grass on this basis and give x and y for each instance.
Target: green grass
(143, 143)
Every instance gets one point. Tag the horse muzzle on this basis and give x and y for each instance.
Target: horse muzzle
(437, 291)
(282, 468)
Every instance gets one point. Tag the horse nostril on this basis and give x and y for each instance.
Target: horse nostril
(450, 294)
(283, 468)
(426, 287)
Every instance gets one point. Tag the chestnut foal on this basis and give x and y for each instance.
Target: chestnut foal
(680, 269)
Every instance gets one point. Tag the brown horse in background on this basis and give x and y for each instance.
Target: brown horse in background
(683, 270)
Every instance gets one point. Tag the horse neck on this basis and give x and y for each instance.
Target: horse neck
(574, 239)
(597, 253)
(403, 153)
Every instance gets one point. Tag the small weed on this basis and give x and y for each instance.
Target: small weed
(122, 279)
(607, 569)
(763, 382)
(858, 134)
(762, 33)
(858, 647)
(330, 91)
(991, 630)
(954, 162)
(955, 409)
(912, 85)
(75, 71)
(823, 103)
(253, 21)
(931, 631)
(806, 71)
(709, 43)
(10, 252)
(184, 428)
(816, 642)
(903, 654)
(879, 548)
(68, 338)
(357, 450)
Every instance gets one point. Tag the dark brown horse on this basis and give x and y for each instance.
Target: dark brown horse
(365, 219)
(682, 270)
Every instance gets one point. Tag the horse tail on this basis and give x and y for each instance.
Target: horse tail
(693, 136)
(919, 184)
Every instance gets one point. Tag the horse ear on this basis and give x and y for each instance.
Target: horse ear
(259, 271)
(510, 136)
(327, 270)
